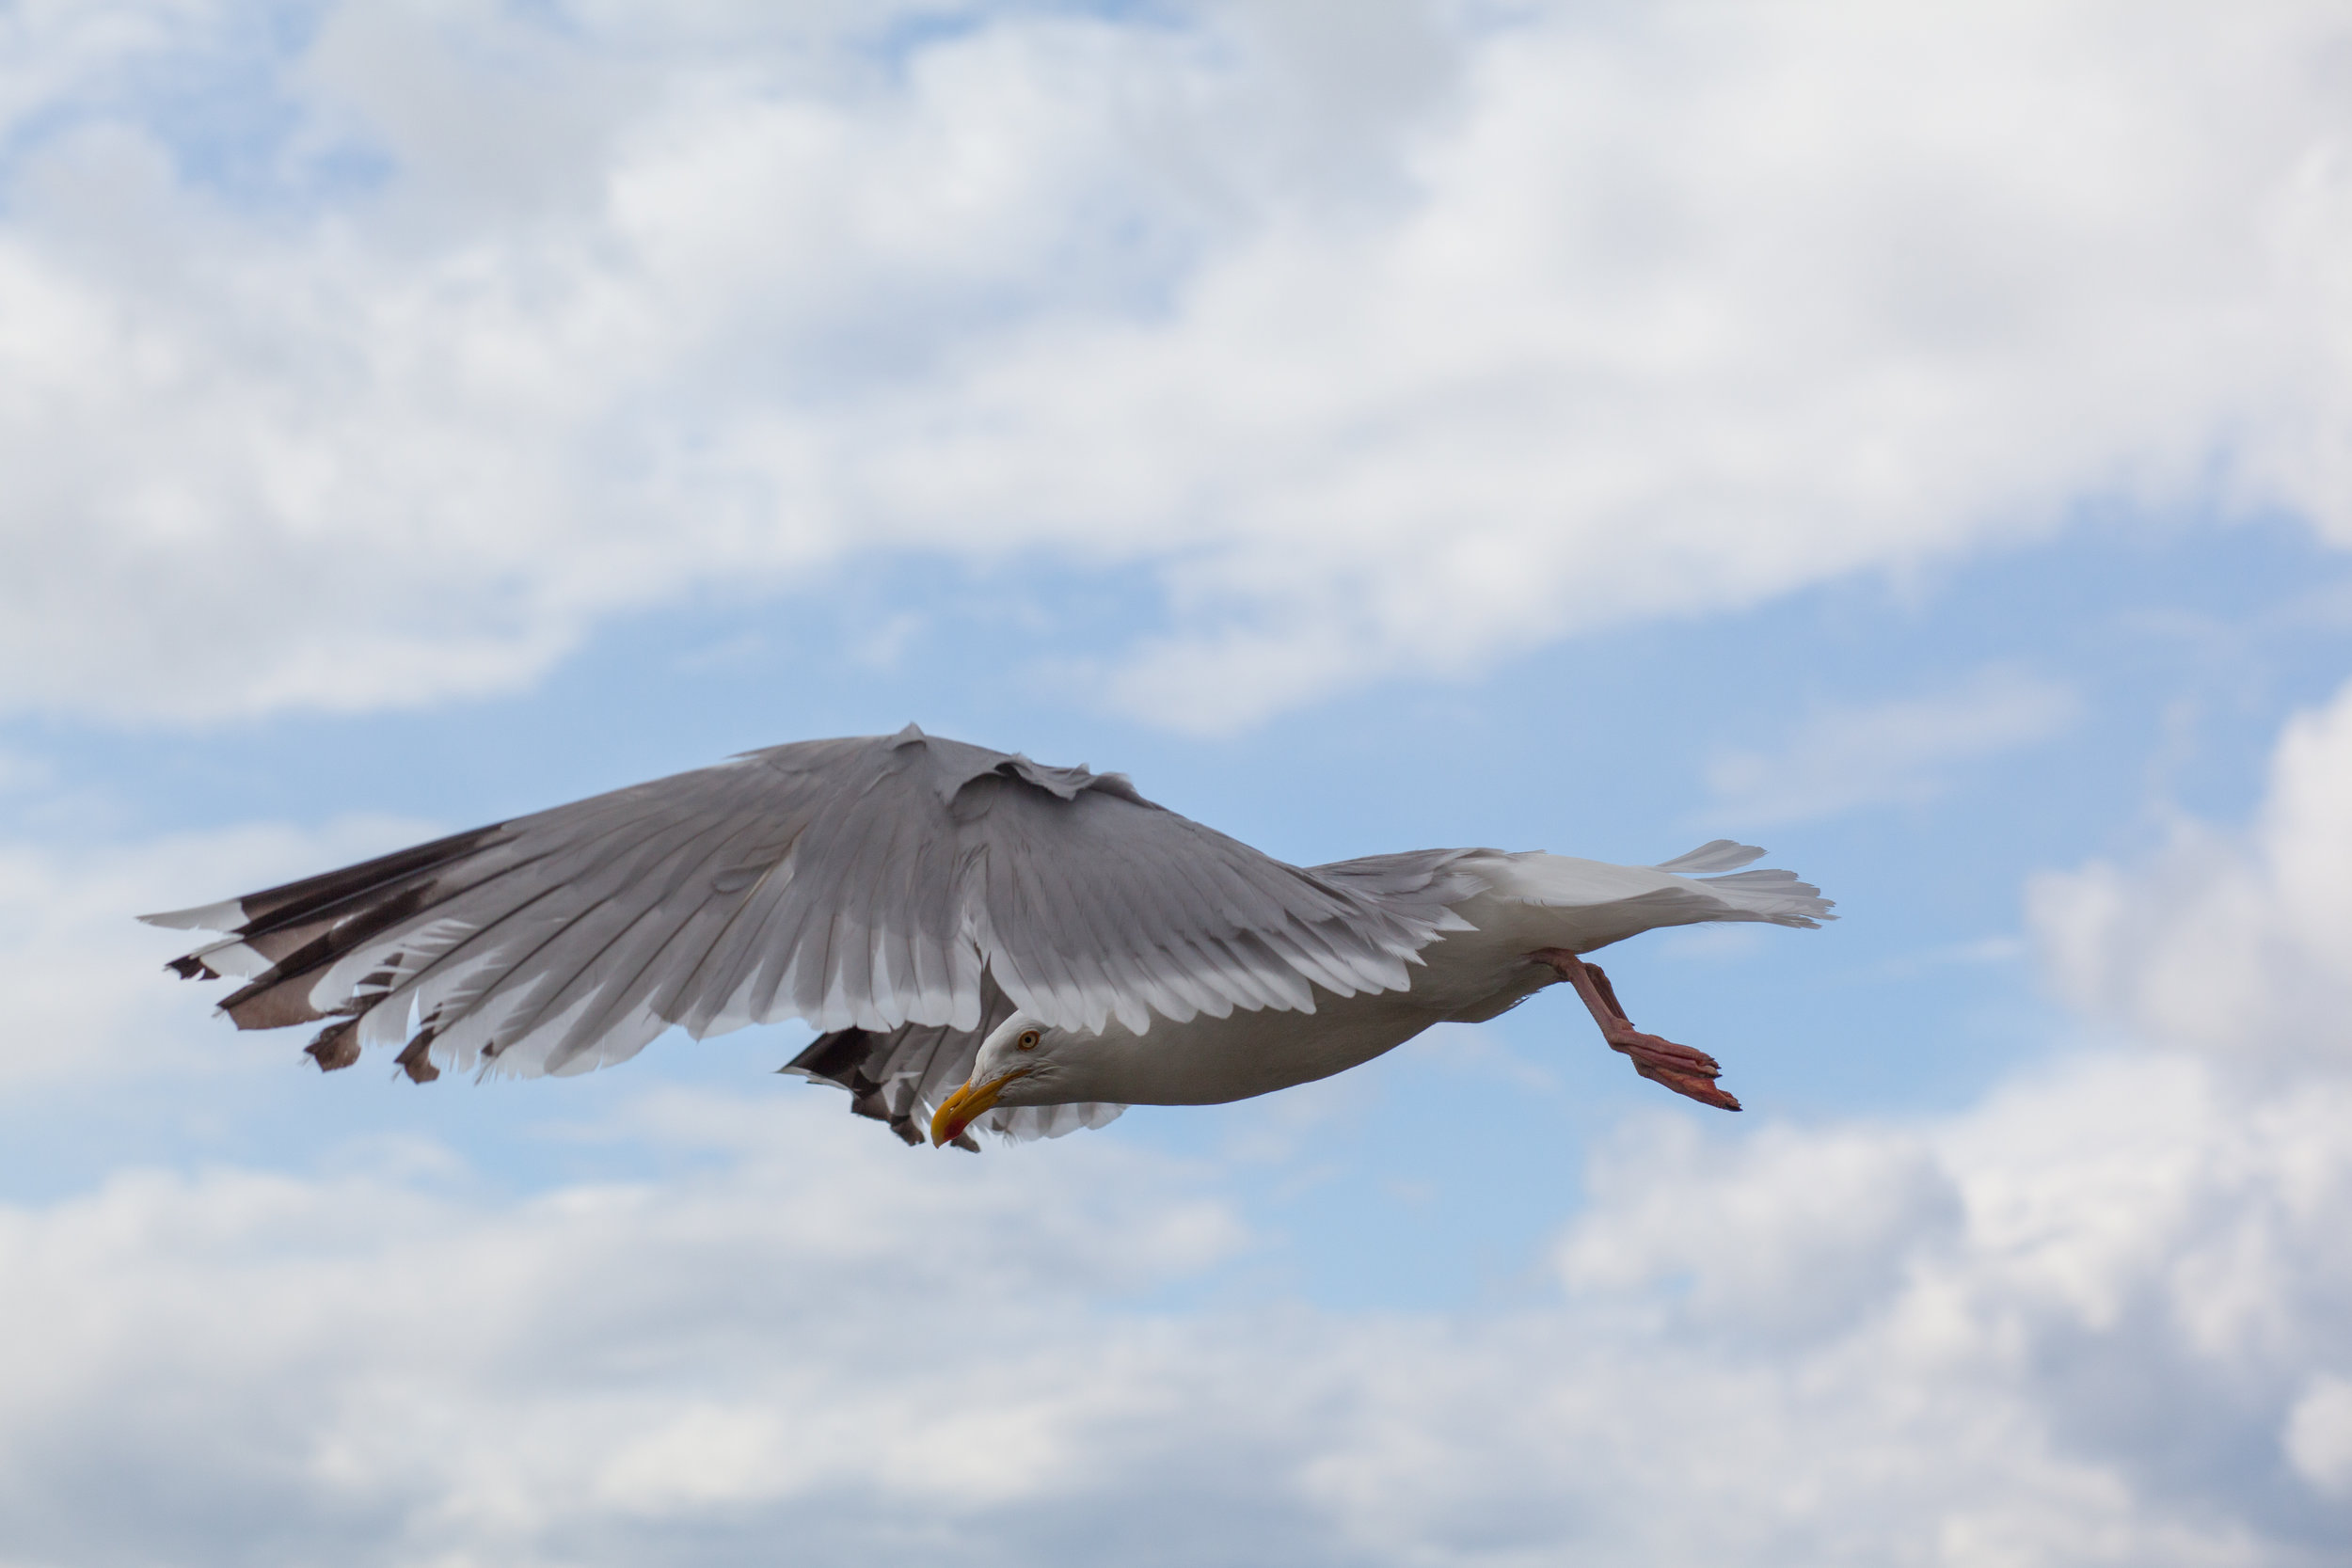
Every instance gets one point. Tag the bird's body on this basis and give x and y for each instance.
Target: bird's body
(945, 913)
(1466, 976)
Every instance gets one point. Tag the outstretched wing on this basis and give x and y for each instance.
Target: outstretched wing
(866, 883)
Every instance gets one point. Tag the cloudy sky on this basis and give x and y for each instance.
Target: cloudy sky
(1918, 439)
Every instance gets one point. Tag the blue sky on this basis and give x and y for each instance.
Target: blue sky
(1913, 444)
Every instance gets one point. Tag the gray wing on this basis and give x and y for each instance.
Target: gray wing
(900, 1077)
(866, 883)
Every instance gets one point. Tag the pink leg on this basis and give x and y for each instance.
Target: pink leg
(1680, 1067)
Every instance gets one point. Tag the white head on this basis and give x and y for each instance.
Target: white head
(1023, 1062)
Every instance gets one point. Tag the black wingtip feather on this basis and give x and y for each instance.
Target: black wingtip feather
(274, 908)
(839, 1058)
(337, 1046)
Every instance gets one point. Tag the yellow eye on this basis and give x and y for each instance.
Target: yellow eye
(1028, 1040)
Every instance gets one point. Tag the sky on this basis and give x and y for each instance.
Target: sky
(1915, 438)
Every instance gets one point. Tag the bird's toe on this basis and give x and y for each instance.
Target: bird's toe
(1685, 1069)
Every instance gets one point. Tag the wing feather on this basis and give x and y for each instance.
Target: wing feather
(905, 888)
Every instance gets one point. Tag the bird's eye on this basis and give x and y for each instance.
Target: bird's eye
(1028, 1040)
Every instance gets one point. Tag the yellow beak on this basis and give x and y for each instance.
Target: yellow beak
(967, 1105)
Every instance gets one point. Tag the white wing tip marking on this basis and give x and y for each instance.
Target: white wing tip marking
(225, 916)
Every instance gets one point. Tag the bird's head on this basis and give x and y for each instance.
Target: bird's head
(1019, 1064)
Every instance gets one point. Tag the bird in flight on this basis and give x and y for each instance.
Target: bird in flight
(984, 943)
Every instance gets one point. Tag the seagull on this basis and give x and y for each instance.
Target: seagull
(983, 942)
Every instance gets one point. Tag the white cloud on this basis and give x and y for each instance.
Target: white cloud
(414, 1371)
(2319, 1433)
(2233, 942)
(1901, 751)
(2091, 1321)
(1394, 357)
